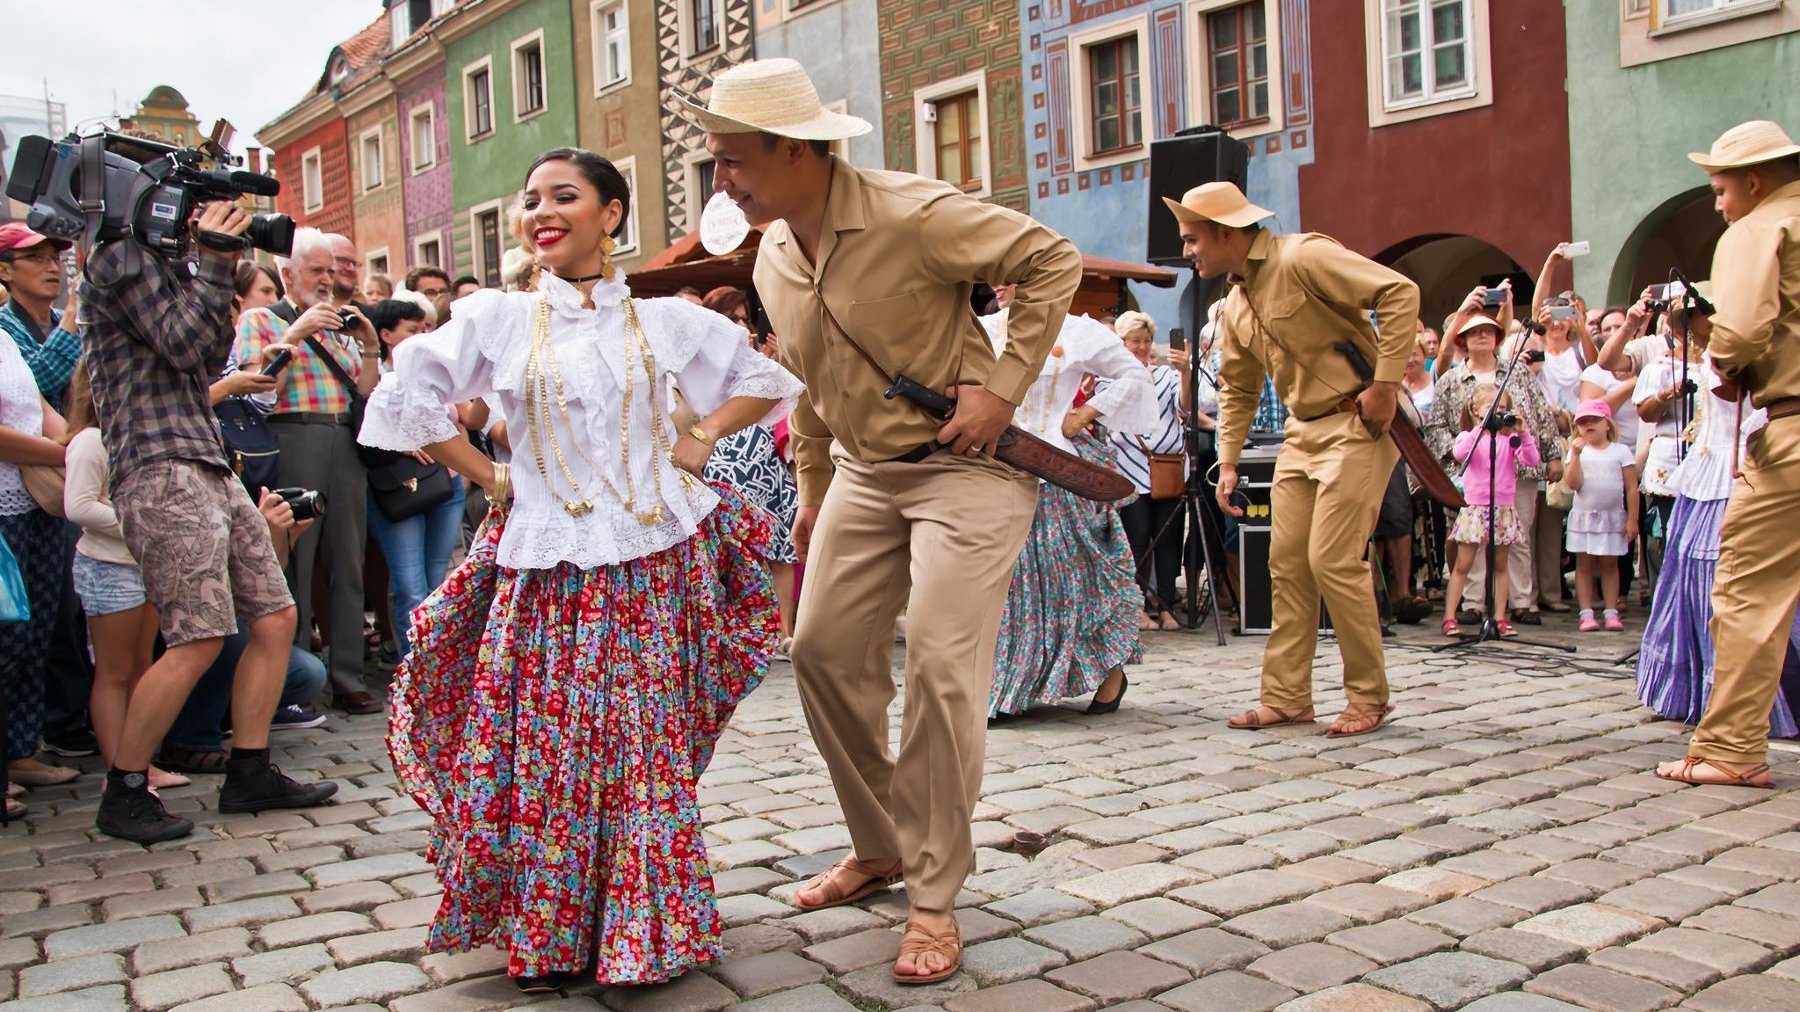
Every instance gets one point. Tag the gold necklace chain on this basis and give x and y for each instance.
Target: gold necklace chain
(543, 381)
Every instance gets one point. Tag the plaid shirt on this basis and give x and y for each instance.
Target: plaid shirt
(51, 358)
(157, 331)
(311, 385)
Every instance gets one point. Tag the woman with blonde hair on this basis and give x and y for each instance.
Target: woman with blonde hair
(1153, 527)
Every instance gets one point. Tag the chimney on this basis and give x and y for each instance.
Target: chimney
(253, 158)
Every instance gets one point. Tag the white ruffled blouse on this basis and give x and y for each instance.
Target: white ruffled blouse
(1125, 399)
(1720, 426)
(482, 352)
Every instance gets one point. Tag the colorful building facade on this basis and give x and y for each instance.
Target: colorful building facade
(510, 78)
(850, 31)
(422, 112)
(619, 111)
(695, 39)
(1650, 81)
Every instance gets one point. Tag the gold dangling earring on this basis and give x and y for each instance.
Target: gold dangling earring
(607, 245)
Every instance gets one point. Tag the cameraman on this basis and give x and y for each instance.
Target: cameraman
(158, 330)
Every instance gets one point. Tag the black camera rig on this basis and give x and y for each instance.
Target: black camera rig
(108, 186)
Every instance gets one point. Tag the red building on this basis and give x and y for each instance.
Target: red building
(1442, 148)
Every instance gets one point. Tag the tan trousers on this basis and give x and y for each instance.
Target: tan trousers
(1521, 574)
(1329, 480)
(1753, 599)
(939, 538)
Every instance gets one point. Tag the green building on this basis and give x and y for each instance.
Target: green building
(511, 96)
(1648, 82)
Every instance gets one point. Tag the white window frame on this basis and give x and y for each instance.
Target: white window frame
(1480, 92)
(519, 45)
(1138, 27)
(629, 240)
(419, 245)
(690, 173)
(468, 89)
(1200, 81)
(1662, 22)
(369, 259)
(688, 51)
(477, 264)
(427, 112)
(362, 158)
(925, 133)
(310, 200)
(597, 21)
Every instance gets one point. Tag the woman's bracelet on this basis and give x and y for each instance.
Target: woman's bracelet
(502, 483)
(698, 433)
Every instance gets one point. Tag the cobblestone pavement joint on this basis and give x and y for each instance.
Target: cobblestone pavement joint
(1500, 847)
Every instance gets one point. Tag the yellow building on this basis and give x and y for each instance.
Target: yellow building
(164, 114)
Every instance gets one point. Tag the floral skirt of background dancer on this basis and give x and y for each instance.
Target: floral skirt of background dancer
(555, 723)
(1675, 664)
(1071, 613)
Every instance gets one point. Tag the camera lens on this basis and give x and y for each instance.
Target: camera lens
(272, 232)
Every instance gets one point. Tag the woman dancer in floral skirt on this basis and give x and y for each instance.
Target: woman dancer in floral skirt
(568, 682)
(1070, 623)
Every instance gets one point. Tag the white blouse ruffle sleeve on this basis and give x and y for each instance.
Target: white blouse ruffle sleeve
(483, 351)
(1125, 397)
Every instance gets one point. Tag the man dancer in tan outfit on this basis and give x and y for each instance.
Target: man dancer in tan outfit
(1293, 298)
(1755, 170)
(866, 276)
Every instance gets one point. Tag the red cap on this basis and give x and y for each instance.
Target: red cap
(14, 235)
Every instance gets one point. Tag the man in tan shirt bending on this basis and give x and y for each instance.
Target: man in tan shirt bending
(866, 276)
(1293, 298)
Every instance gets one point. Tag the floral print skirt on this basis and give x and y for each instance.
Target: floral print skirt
(1071, 613)
(555, 724)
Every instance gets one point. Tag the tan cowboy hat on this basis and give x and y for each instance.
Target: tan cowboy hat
(1751, 143)
(1220, 202)
(1479, 320)
(771, 96)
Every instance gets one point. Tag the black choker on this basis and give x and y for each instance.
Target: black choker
(582, 280)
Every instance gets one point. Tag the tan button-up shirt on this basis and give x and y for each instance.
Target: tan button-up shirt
(1311, 293)
(1756, 286)
(898, 257)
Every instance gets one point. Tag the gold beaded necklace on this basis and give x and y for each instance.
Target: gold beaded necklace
(544, 383)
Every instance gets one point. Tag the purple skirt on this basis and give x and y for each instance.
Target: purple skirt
(1675, 666)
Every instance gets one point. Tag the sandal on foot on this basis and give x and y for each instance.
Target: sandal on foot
(175, 759)
(829, 882)
(919, 940)
(1254, 718)
(1451, 628)
(1755, 776)
(1351, 723)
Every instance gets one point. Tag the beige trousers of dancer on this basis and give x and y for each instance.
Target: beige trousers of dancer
(938, 538)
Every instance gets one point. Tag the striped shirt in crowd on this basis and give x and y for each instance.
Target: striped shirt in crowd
(1133, 462)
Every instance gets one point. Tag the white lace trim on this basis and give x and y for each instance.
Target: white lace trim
(400, 418)
(540, 535)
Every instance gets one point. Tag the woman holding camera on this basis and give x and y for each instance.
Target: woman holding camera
(568, 682)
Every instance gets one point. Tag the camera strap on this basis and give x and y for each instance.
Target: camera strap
(93, 187)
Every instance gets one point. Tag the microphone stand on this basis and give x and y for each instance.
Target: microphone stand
(1492, 592)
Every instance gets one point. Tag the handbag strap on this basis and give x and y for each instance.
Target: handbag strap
(337, 369)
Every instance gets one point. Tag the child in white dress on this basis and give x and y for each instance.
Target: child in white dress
(1602, 472)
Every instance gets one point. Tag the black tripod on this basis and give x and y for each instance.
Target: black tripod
(1492, 593)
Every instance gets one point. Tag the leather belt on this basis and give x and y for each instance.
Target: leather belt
(311, 417)
(1348, 404)
(1786, 407)
(915, 455)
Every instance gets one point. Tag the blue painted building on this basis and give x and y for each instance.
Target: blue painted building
(1106, 78)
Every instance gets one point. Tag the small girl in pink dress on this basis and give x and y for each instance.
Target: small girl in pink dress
(1511, 451)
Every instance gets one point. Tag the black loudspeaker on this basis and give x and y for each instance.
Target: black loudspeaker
(1177, 165)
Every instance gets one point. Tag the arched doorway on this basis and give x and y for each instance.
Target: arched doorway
(1682, 232)
(1446, 266)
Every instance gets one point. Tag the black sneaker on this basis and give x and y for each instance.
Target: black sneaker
(73, 745)
(1525, 616)
(293, 718)
(1469, 616)
(130, 812)
(257, 785)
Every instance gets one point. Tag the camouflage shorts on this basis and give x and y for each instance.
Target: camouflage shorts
(204, 548)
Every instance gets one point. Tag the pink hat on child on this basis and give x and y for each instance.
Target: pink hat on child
(1593, 409)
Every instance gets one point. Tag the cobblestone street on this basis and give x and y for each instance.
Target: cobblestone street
(1501, 847)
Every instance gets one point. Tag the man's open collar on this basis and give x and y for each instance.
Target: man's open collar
(843, 208)
(1259, 252)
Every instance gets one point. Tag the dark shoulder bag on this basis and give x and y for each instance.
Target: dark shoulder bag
(402, 487)
(249, 445)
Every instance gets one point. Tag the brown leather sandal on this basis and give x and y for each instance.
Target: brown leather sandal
(828, 882)
(920, 940)
(1252, 718)
(1756, 776)
(1351, 723)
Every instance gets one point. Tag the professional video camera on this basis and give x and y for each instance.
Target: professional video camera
(108, 186)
